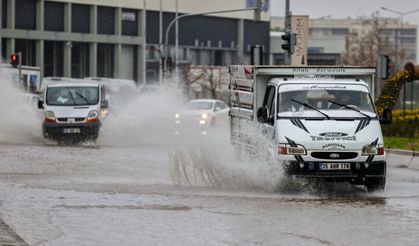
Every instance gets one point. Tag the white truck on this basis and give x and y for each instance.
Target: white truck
(317, 122)
(73, 111)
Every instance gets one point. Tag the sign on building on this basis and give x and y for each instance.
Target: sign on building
(299, 26)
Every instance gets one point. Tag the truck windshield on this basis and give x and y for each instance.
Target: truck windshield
(72, 96)
(322, 100)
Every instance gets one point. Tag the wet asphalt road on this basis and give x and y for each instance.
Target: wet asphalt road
(154, 194)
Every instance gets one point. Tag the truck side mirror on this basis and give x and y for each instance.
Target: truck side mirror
(40, 104)
(262, 114)
(387, 117)
(104, 104)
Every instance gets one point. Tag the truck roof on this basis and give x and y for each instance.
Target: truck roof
(278, 81)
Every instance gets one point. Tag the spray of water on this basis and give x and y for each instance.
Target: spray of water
(196, 159)
(20, 122)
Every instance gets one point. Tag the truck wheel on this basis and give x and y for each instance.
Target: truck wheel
(375, 184)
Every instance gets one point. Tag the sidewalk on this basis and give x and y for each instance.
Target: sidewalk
(403, 158)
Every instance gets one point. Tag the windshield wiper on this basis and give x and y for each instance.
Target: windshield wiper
(309, 106)
(72, 98)
(351, 108)
(80, 95)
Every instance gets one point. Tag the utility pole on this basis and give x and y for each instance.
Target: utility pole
(287, 53)
(1, 38)
(177, 41)
(161, 42)
(144, 46)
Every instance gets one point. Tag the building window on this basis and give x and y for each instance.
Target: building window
(340, 31)
(4, 13)
(129, 22)
(406, 32)
(80, 18)
(105, 60)
(80, 57)
(53, 59)
(54, 16)
(25, 17)
(106, 20)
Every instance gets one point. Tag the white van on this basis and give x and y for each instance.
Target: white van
(318, 122)
(73, 110)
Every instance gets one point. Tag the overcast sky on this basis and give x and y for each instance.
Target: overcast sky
(345, 8)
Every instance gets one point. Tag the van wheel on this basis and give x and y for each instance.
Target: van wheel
(375, 184)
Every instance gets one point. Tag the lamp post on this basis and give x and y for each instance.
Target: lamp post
(399, 42)
(166, 39)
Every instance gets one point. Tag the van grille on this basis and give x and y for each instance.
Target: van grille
(334, 155)
(65, 120)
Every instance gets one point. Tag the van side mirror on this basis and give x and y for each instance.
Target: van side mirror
(217, 109)
(40, 104)
(262, 114)
(104, 104)
(387, 117)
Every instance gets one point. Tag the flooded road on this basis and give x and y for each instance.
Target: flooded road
(160, 194)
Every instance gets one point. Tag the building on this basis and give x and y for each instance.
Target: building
(105, 38)
(328, 38)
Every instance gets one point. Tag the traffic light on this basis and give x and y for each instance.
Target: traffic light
(385, 66)
(258, 10)
(290, 40)
(14, 60)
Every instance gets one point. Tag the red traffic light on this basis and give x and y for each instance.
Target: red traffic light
(14, 60)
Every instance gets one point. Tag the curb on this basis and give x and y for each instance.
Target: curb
(403, 158)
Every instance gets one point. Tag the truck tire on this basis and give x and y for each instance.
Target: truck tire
(375, 184)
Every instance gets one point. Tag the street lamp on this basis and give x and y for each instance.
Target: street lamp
(399, 40)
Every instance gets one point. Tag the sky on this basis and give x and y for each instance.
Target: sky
(345, 8)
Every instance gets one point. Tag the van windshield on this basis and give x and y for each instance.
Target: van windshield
(323, 100)
(72, 96)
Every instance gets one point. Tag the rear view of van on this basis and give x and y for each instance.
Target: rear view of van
(73, 111)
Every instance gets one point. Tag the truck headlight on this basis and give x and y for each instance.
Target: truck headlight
(204, 116)
(286, 149)
(373, 150)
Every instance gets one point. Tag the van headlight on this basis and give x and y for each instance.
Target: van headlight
(49, 115)
(286, 149)
(92, 116)
(372, 150)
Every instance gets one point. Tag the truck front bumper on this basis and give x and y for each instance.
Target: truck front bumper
(358, 171)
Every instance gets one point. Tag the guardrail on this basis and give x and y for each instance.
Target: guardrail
(403, 158)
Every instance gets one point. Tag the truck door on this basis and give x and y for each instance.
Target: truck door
(269, 102)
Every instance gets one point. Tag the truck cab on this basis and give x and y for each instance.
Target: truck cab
(321, 127)
(73, 110)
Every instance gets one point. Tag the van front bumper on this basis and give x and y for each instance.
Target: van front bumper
(60, 130)
(357, 171)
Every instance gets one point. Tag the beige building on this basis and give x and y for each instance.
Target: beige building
(329, 36)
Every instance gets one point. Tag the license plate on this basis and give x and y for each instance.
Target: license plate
(71, 130)
(334, 166)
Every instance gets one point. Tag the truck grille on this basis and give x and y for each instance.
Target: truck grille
(334, 155)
